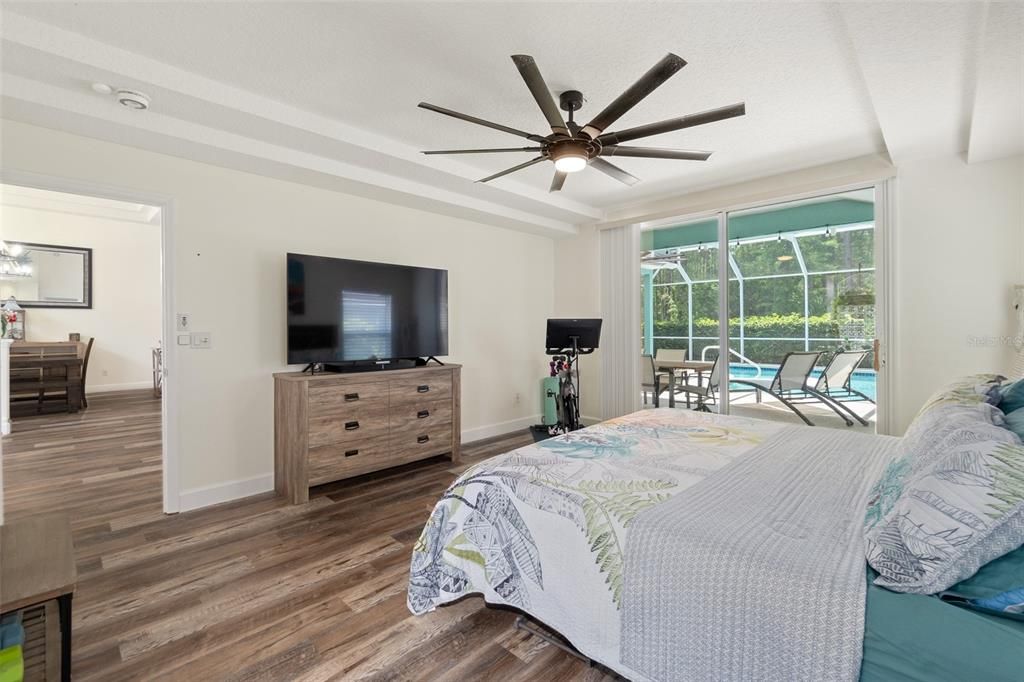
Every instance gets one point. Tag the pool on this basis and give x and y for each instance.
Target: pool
(863, 379)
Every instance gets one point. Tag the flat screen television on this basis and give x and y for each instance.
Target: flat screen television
(342, 311)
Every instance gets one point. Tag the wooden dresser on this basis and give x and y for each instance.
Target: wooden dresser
(333, 426)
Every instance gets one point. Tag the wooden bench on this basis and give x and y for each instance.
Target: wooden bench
(37, 566)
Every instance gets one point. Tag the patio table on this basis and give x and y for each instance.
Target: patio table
(670, 366)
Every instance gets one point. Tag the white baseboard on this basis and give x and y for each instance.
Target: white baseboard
(109, 388)
(590, 421)
(196, 498)
(499, 429)
(218, 493)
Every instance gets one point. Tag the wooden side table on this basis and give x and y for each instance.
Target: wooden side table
(37, 564)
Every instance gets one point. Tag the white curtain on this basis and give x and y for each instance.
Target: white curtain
(620, 332)
(1018, 340)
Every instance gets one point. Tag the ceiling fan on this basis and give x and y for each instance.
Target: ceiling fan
(572, 147)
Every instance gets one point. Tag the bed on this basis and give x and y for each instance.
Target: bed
(668, 544)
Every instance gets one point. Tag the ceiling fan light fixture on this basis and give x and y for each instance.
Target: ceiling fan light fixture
(571, 162)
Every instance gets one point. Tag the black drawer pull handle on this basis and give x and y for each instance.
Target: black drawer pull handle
(422, 389)
(422, 439)
(349, 453)
(351, 397)
(351, 426)
(423, 414)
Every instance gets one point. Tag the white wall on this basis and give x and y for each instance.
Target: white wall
(960, 250)
(125, 317)
(231, 231)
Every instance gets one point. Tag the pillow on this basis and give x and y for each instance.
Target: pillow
(996, 577)
(1015, 422)
(1011, 396)
(998, 587)
(960, 404)
(958, 508)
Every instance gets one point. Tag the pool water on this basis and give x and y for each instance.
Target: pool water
(863, 379)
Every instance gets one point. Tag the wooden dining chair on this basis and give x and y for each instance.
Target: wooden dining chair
(85, 370)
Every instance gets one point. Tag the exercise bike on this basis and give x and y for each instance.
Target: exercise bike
(567, 340)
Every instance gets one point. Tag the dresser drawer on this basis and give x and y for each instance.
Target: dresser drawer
(332, 462)
(420, 390)
(352, 427)
(328, 400)
(420, 418)
(413, 445)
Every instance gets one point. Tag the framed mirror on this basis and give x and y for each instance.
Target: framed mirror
(46, 275)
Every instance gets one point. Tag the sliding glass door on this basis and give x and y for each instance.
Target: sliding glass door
(800, 299)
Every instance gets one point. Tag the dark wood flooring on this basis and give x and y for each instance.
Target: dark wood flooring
(255, 589)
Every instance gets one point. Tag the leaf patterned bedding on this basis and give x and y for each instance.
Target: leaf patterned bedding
(543, 528)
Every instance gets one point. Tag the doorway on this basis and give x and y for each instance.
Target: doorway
(93, 438)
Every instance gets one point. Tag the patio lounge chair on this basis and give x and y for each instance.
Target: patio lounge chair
(834, 381)
(791, 385)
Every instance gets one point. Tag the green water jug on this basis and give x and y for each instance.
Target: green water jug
(548, 393)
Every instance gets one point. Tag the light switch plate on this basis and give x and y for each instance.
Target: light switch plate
(184, 339)
(201, 339)
(184, 320)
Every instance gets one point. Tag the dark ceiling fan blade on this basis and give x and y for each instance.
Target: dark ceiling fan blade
(480, 121)
(614, 171)
(539, 89)
(483, 151)
(658, 74)
(652, 153)
(513, 169)
(689, 121)
(557, 181)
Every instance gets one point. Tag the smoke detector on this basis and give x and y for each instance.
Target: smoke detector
(133, 100)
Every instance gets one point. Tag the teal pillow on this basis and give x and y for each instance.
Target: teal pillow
(1001, 575)
(997, 588)
(1015, 422)
(1011, 396)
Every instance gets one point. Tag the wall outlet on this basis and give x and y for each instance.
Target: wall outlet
(184, 321)
(201, 340)
(518, 399)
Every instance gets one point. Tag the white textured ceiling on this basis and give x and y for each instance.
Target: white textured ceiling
(333, 87)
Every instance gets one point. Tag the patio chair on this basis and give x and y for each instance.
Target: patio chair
(652, 380)
(705, 393)
(791, 385)
(835, 379)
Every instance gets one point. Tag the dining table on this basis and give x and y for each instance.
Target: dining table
(698, 367)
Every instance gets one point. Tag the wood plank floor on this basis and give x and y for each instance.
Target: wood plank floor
(256, 589)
